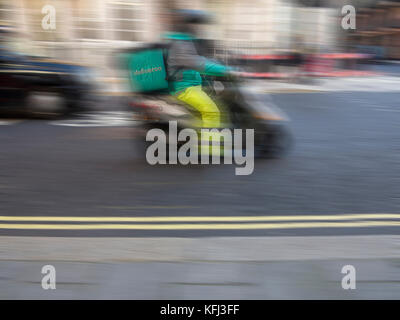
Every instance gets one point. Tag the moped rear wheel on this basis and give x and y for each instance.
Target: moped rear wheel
(273, 142)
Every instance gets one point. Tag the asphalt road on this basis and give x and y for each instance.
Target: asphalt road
(345, 160)
(69, 190)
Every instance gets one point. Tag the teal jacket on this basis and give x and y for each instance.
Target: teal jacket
(185, 66)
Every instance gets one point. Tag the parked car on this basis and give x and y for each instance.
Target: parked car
(32, 83)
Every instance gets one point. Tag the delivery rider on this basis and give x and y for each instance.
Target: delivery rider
(184, 68)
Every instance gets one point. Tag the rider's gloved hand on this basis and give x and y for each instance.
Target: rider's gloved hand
(236, 73)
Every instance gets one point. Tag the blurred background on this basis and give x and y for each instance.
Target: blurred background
(89, 31)
(75, 192)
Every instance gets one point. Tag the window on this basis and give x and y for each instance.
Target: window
(126, 20)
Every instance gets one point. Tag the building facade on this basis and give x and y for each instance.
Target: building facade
(88, 31)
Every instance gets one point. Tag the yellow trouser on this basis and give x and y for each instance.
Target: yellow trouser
(199, 100)
(210, 114)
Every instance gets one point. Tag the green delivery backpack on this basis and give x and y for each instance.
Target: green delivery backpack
(146, 68)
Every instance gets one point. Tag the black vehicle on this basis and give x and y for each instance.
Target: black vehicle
(40, 85)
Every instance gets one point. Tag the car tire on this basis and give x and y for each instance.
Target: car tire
(41, 104)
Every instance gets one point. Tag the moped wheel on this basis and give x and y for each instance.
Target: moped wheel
(274, 142)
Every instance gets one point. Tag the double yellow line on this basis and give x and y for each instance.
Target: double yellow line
(200, 222)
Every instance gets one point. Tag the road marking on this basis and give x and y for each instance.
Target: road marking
(189, 223)
(147, 207)
(9, 122)
(99, 119)
(161, 183)
(292, 91)
(237, 226)
(388, 110)
(370, 216)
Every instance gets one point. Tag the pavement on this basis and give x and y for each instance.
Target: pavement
(201, 268)
(77, 194)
